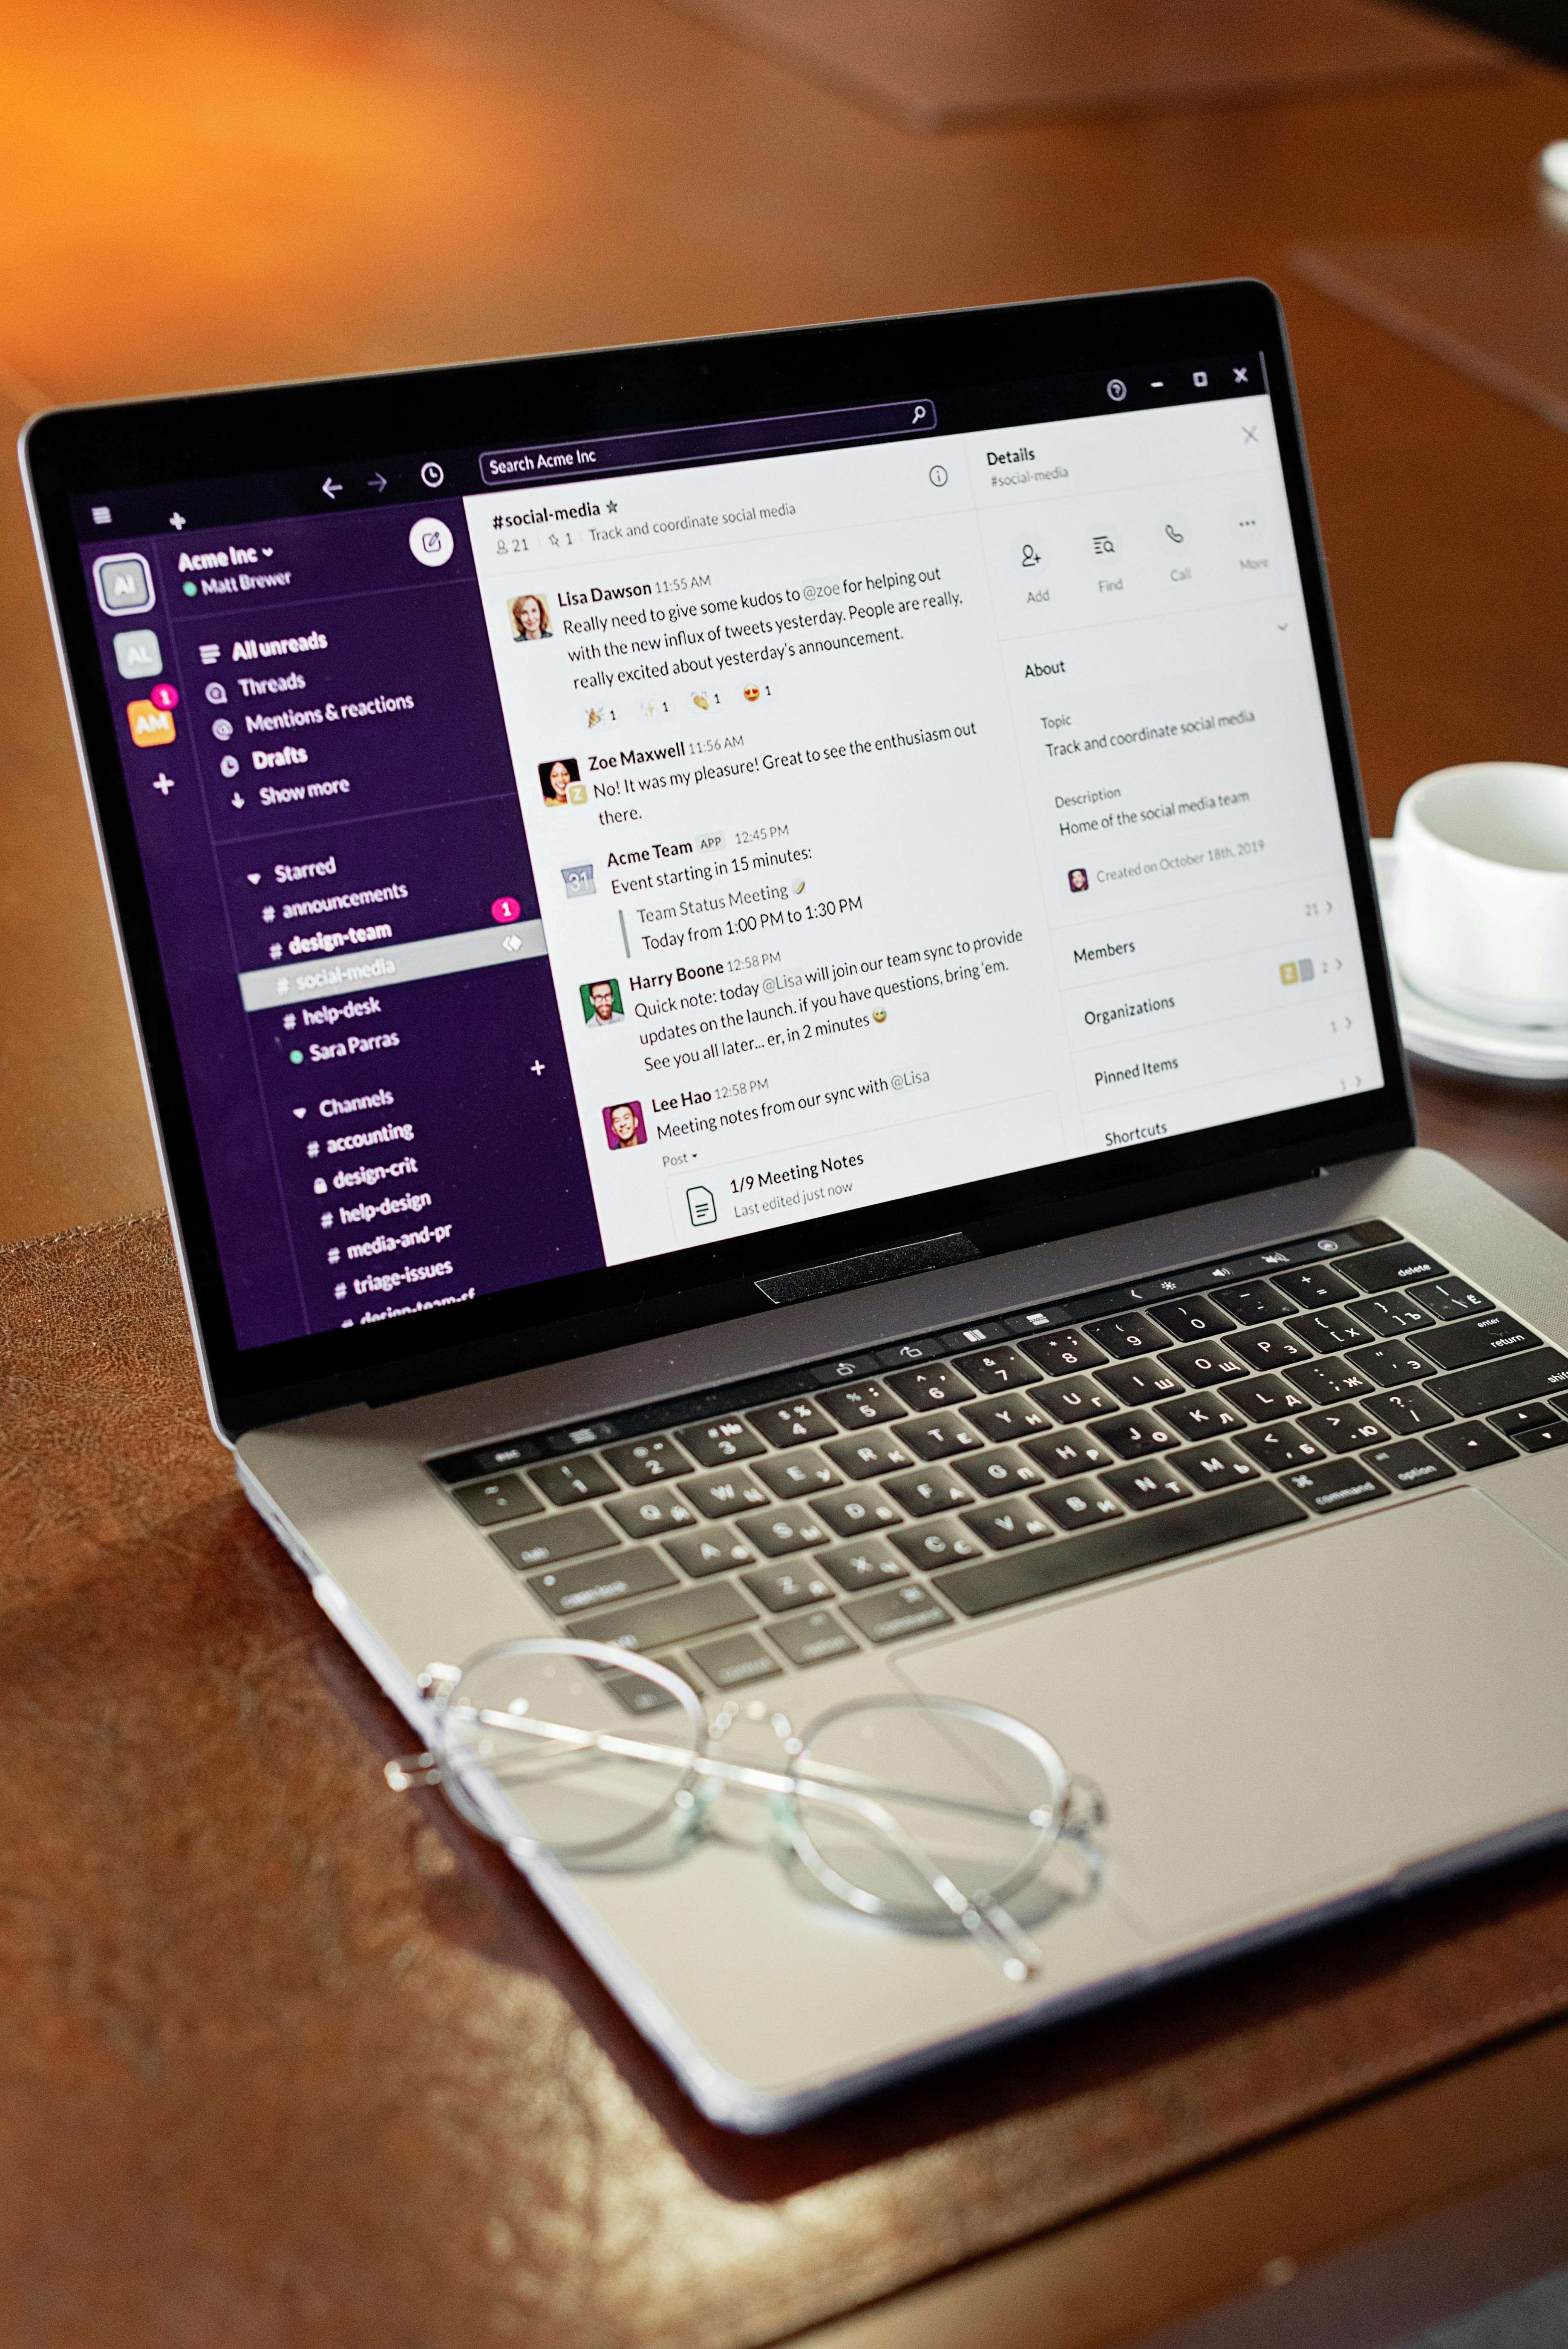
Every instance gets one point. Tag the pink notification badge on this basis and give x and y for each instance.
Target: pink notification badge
(504, 909)
(165, 697)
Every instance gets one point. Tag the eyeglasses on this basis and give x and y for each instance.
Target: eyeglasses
(929, 1813)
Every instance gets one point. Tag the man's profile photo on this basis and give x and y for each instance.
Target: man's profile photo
(624, 1127)
(1078, 880)
(556, 778)
(529, 617)
(601, 1000)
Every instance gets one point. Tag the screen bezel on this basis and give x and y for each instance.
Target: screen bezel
(71, 452)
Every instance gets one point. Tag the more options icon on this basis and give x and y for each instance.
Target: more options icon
(431, 543)
(124, 583)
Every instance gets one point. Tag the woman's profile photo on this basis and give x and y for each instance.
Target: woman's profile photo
(623, 1128)
(556, 777)
(530, 618)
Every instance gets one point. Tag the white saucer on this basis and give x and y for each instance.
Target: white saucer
(1450, 1040)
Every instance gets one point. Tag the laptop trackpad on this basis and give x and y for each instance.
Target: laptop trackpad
(1277, 1724)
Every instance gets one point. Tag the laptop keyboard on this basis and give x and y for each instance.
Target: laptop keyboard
(757, 1530)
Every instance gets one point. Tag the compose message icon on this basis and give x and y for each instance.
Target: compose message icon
(431, 543)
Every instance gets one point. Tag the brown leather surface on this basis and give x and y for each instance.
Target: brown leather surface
(1496, 306)
(288, 2059)
(935, 67)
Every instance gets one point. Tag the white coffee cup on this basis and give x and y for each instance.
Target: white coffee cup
(1481, 907)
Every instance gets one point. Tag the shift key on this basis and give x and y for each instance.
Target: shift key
(685, 1615)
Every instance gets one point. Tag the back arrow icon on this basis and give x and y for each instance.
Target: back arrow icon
(330, 488)
(376, 482)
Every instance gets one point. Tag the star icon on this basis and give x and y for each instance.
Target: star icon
(611, 507)
(539, 1068)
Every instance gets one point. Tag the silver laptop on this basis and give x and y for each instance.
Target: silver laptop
(762, 997)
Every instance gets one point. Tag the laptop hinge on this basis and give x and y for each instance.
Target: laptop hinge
(860, 1271)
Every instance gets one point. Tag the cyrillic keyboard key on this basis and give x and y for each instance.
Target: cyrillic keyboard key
(870, 1454)
(1342, 1428)
(1192, 1318)
(811, 1639)
(1071, 1400)
(1410, 1411)
(1135, 1436)
(785, 1423)
(780, 1532)
(1281, 1447)
(1018, 1575)
(732, 1662)
(1004, 1471)
(725, 1493)
(926, 1492)
(793, 1475)
(1409, 1466)
(1197, 1418)
(1206, 1363)
(1271, 1347)
(1337, 1484)
(1252, 1301)
(1518, 1378)
(1458, 1344)
(1472, 1445)
(935, 1541)
(1330, 1332)
(1391, 1363)
(1137, 1383)
(864, 1405)
(860, 1509)
(1127, 1334)
(499, 1497)
(568, 1590)
(649, 1462)
(1064, 1352)
(896, 1614)
(643, 1515)
(1451, 1300)
(996, 1368)
(710, 1549)
(1002, 1419)
(1331, 1378)
(1083, 1502)
(940, 1435)
(1393, 1316)
(1268, 1398)
(549, 1540)
(785, 1587)
(933, 1387)
(1312, 1285)
(1393, 1267)
(1070, 1451)
(861, 1564)
(684, 1615)
(1145, 1488)
(1006, 1525)
(1213, 1467)
(717, 1441)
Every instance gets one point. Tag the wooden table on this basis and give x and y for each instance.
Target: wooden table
(200, 194)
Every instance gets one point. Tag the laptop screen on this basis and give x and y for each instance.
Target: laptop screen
(579, 853)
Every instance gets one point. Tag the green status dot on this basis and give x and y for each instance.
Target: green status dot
(296, 1057)
(190, 586)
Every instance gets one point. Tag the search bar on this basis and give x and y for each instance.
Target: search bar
(702, 444)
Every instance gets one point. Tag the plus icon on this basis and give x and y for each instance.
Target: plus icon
(163, 784)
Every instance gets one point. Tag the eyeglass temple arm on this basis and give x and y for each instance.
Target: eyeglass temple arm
(999, 1934)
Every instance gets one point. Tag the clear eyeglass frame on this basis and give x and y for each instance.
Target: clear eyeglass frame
(928, 1814)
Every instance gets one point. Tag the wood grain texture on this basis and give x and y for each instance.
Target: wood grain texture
(932, 67)
(293, 2060)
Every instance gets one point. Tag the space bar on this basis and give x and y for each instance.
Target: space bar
(1018, 1575)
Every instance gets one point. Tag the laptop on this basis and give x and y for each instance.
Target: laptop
(761, 993)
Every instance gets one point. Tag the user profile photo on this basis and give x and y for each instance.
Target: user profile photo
(561, 783)
(1078, 880)
(601, 1000)
(624, 1127)
(529, 617)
